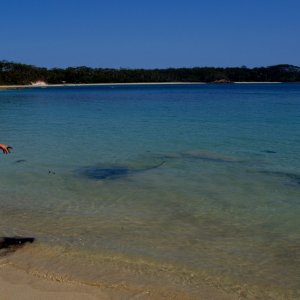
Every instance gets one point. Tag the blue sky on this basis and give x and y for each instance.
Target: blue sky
(150, 34)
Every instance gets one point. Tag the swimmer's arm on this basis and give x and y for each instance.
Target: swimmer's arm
(5, 148)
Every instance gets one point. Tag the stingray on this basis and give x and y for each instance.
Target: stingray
(20, 161)
(202, 155)
(293, 177)
(269, 151)
(100, 172)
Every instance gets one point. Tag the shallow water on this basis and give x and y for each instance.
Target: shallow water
(222, 210)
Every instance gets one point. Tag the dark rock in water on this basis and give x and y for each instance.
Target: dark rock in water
(269, 151)
(111, 172)
(7, 242)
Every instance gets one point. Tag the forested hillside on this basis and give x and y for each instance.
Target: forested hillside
(15, 73)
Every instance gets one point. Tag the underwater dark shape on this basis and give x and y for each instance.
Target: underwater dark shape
(20, 161)
(269, 151)
(99, 172)
(294, 178)
(202, 155)
(104, 173)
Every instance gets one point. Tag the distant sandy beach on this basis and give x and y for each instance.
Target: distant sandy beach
(5, 87)
(257, 82)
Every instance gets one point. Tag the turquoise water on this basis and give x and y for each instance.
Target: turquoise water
(201, 185)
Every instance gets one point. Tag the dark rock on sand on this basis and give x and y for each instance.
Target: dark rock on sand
(13, 242)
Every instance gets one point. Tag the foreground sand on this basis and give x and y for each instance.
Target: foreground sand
(19, 285)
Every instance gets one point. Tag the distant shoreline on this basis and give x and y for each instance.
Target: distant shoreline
(8, 87)
(260, 82)
(95, 84)
(19, 74)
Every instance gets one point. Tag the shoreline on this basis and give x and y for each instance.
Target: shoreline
(18, 86)
(96, 84)
(27, 273)
(260, 82)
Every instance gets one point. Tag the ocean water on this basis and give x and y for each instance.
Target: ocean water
(168, 188)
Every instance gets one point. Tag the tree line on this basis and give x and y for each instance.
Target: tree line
(12, 73)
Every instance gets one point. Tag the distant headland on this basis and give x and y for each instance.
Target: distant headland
(12, 73)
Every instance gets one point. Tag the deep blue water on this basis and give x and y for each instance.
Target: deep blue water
(200, 178)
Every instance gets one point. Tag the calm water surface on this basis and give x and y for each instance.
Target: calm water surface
(155, 186)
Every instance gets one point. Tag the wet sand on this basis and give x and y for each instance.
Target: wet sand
(18, 284)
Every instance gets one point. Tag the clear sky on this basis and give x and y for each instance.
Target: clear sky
(150, 34)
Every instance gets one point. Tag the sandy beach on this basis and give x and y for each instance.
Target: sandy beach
(18, 284)
(30, 86)
(26, 279)
(6, 87)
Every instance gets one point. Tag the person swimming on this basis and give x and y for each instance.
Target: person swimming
(5, 148)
